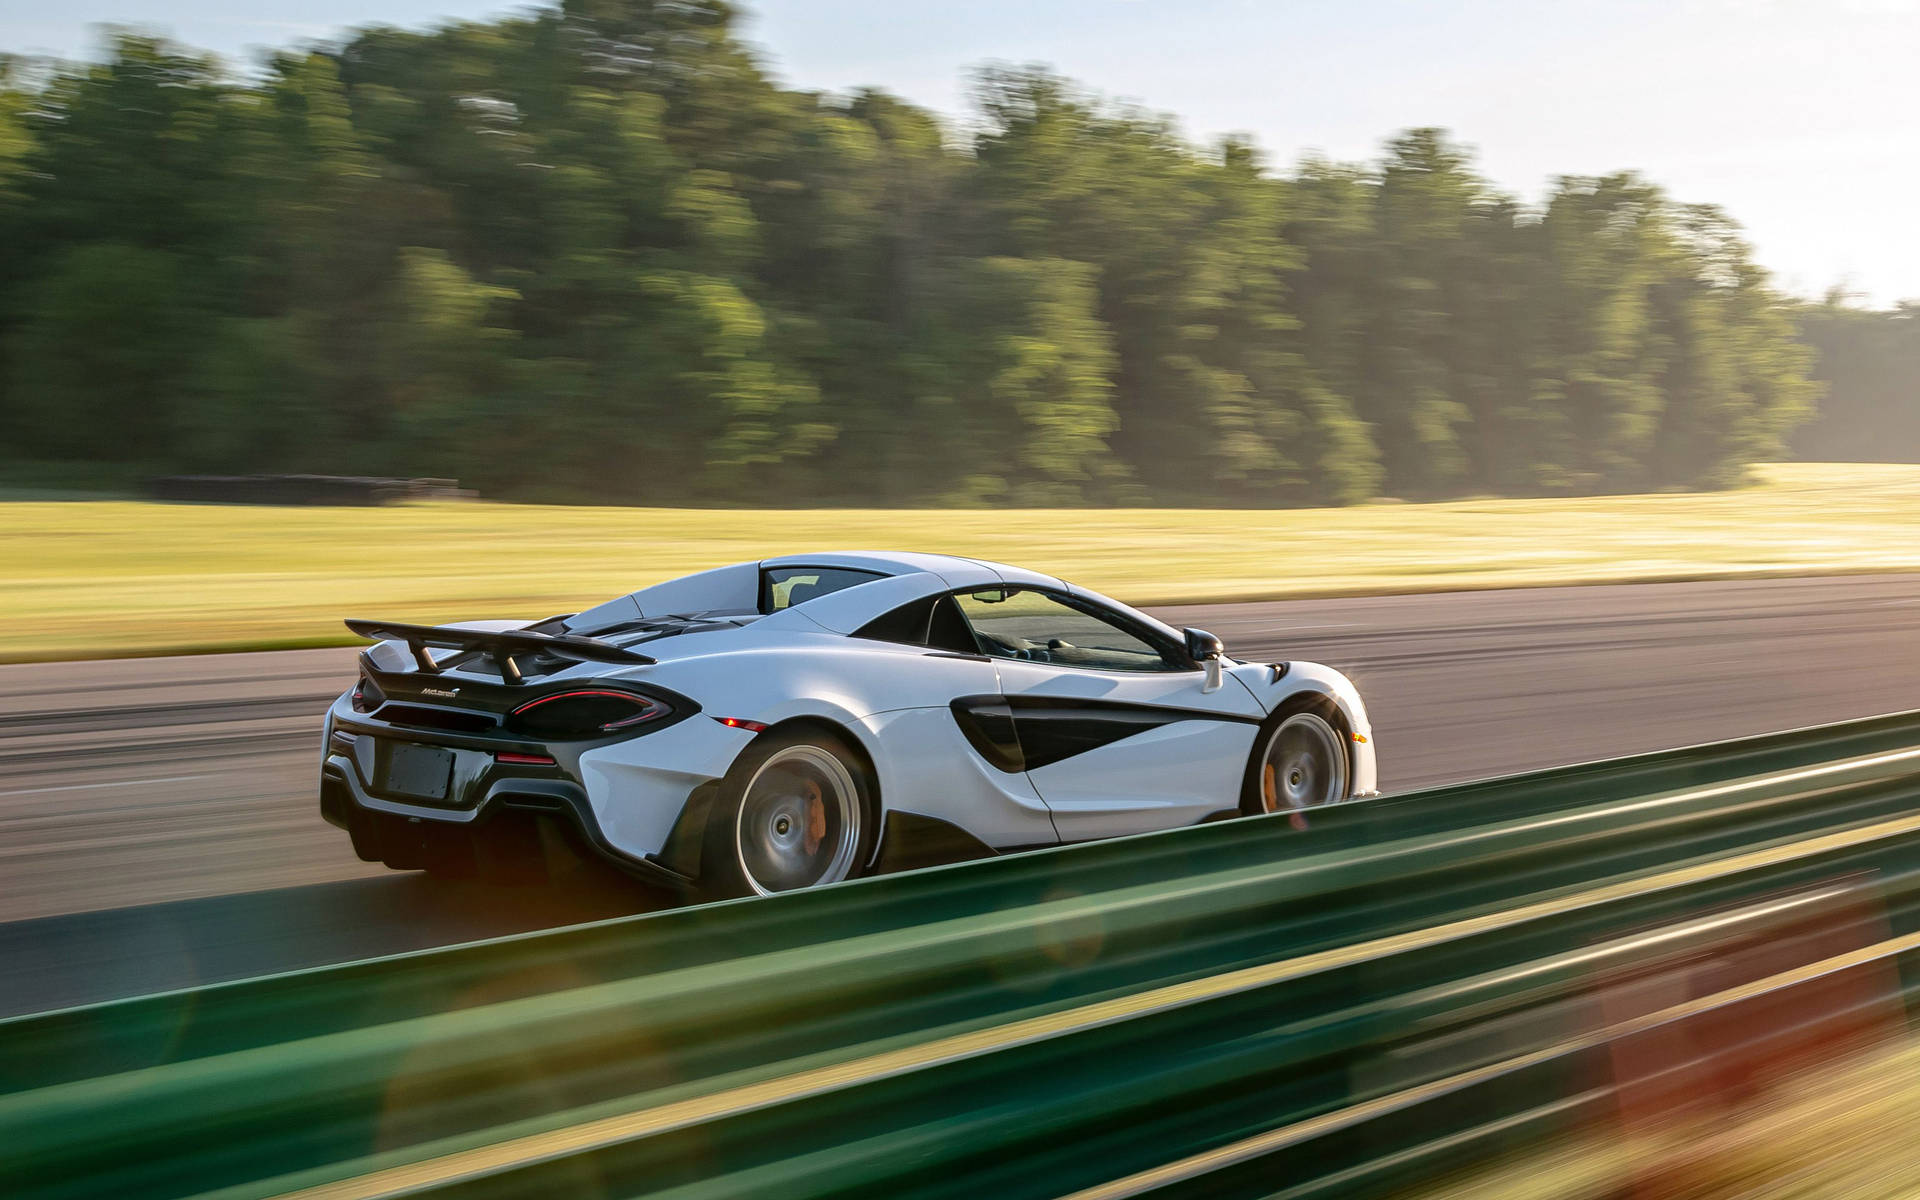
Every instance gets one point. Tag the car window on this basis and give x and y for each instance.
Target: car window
(1037, 627)
(931, 621)
(784, 587)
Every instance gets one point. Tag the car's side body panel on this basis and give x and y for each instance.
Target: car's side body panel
(892, 699)
(637, 788)
(1119, 752)
(927, 769)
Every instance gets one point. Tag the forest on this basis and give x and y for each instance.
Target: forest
(598, 253)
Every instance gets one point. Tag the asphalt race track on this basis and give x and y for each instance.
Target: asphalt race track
(158, 828)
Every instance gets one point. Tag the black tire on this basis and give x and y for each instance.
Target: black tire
(796, 810)
(1306, 741)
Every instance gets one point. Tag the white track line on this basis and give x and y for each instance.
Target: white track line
(81, 787)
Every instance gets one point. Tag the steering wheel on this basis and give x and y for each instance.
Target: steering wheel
(1006, 649)
(998, 645)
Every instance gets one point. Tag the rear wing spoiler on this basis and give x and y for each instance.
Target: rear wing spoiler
(502, 646)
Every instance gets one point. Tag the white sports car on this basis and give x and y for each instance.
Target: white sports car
(780, 724)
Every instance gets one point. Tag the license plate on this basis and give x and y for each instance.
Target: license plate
(422, 772)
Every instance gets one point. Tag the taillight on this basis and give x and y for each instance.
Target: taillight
(367, 695)
(584, 714)
(511, 759)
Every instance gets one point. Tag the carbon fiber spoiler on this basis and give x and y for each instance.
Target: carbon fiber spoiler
(502, 646)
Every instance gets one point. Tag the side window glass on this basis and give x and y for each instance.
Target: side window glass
(1032, 626)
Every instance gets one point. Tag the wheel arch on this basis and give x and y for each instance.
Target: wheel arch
(846, 732)
(855, 740)
(1305, 700)
(686, 843)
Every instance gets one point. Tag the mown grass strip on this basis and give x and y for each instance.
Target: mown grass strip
(109, 578)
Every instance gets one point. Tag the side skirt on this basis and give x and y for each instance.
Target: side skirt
(909, 841)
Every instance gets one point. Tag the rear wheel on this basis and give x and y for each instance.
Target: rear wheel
(1300, 762)
(793, 812)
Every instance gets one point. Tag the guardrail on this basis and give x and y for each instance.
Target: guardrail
(1031, 1026)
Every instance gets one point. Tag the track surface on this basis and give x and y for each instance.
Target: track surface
(158, 830)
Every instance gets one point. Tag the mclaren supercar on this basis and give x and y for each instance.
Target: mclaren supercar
(799, 721)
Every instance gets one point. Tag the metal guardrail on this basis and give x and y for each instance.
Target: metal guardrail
(178, 1026)
(1029, 1026)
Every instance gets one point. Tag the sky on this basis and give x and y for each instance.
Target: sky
(1797, 116)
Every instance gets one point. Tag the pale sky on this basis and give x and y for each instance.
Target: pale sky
(1797, 116)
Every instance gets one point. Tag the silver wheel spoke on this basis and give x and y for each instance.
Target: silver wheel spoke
(799, 821)
(1304, 765)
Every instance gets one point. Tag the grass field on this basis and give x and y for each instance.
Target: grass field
(101, 578)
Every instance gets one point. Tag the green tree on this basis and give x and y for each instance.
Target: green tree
(595, 252)
(1869, 363)
(102, 354)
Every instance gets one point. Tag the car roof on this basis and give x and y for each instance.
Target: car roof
(736, 588)
(907, 575)
(955, 569)
(913, 575)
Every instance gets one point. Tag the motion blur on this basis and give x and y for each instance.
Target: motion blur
(1541, 370)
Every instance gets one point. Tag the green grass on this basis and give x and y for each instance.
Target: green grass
(100, 578)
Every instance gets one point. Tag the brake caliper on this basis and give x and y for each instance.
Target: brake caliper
(816, 818)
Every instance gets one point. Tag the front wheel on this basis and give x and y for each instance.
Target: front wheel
(1299, 763)
(792, 813)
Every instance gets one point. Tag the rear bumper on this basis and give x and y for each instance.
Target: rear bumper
(639, 801)
(506, 811)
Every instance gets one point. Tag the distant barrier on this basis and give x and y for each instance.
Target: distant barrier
(302, 489)
(1406, 983)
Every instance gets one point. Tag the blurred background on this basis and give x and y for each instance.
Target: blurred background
(1355, 332)
(628, 252)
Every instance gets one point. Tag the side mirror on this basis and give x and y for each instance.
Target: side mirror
(1207, 650)
(1202, 646)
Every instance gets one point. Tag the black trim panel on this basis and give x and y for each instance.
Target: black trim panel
(909, 841)
(931, 621)
(1025, 733)
(1051, 733)
(987, 722)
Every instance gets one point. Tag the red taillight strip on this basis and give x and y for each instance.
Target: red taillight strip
(737, 723)
(649, 707)
(523, 760)
(655, 709)
(568, 695)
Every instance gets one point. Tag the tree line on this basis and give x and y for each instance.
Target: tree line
(1869, 365)
(596, 253)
